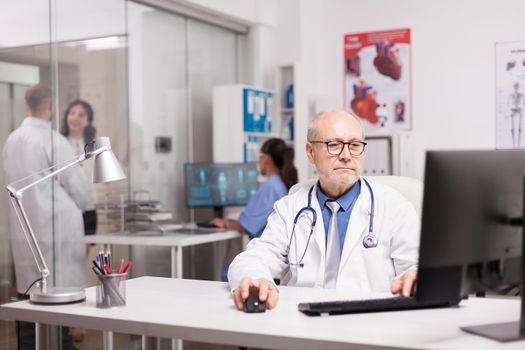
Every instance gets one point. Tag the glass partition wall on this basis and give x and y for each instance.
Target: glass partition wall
(174, 62)
(54, 43)
(15, 77)
(148, 76)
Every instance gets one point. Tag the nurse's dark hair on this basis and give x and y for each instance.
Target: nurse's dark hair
(89, 130)
(282, 156)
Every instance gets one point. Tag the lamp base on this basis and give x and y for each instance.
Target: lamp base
(58, 295)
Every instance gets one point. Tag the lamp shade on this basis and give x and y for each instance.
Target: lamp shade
(106, 167)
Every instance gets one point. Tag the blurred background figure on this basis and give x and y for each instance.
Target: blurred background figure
(54, 207)
(77, 126)
(276, 163)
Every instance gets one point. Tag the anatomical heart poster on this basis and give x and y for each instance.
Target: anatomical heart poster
(510, 94)
(378, 77)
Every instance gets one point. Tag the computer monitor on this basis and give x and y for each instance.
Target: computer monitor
(218, 185)
(471, 227)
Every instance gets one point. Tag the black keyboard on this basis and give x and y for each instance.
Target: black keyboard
(206, 224)
(370, 305)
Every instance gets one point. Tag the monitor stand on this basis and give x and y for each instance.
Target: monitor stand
(507, 331)
(503, 332)
(218, 212)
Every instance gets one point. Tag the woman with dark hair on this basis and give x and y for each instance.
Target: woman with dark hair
(77, 124)
(77, 127)
(276, 163)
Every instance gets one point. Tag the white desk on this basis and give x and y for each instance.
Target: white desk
(176, 241)
(203, 311)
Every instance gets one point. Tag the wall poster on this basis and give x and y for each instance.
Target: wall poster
(378, 77)
(510, 100)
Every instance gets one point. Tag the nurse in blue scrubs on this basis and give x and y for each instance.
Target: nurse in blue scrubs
(276, 163)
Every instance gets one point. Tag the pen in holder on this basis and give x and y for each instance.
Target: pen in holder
(111, 290)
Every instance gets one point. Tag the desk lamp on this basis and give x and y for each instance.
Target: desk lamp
(105, 169)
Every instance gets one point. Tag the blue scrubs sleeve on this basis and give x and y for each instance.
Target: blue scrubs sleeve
(255, 216)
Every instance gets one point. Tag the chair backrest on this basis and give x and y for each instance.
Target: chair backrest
(410, 188)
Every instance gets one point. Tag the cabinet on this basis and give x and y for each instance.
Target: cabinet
(388, 153)
(243, 118)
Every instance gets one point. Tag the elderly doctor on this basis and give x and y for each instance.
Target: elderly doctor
(337, 250)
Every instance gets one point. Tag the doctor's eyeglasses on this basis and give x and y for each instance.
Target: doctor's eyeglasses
(335, 148)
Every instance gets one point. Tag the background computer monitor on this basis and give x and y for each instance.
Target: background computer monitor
(219, 185)
(471, 228)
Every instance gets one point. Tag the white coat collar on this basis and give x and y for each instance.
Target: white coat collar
(319, 234)
(358, 223)
(32, 121)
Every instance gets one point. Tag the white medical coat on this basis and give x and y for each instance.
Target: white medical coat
(396, 225)
(28, 150)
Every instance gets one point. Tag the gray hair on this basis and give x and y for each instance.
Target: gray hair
(312, 126)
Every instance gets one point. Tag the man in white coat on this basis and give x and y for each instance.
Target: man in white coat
(333, 254)
(54, 207)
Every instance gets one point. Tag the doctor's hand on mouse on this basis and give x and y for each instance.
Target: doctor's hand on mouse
(268, 292)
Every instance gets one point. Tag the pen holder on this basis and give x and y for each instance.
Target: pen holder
(111, 290)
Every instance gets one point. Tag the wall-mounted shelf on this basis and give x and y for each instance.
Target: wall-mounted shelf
(284, 85)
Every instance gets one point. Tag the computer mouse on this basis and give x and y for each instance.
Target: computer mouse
(252, 304)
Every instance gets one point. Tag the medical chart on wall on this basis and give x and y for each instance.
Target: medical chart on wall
(378, 77)
(510, 98)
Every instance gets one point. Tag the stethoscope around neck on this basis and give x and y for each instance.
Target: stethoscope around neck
(369, 241)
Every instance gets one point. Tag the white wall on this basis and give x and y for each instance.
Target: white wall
(246, 11)
(26, 22)
(452, 54)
